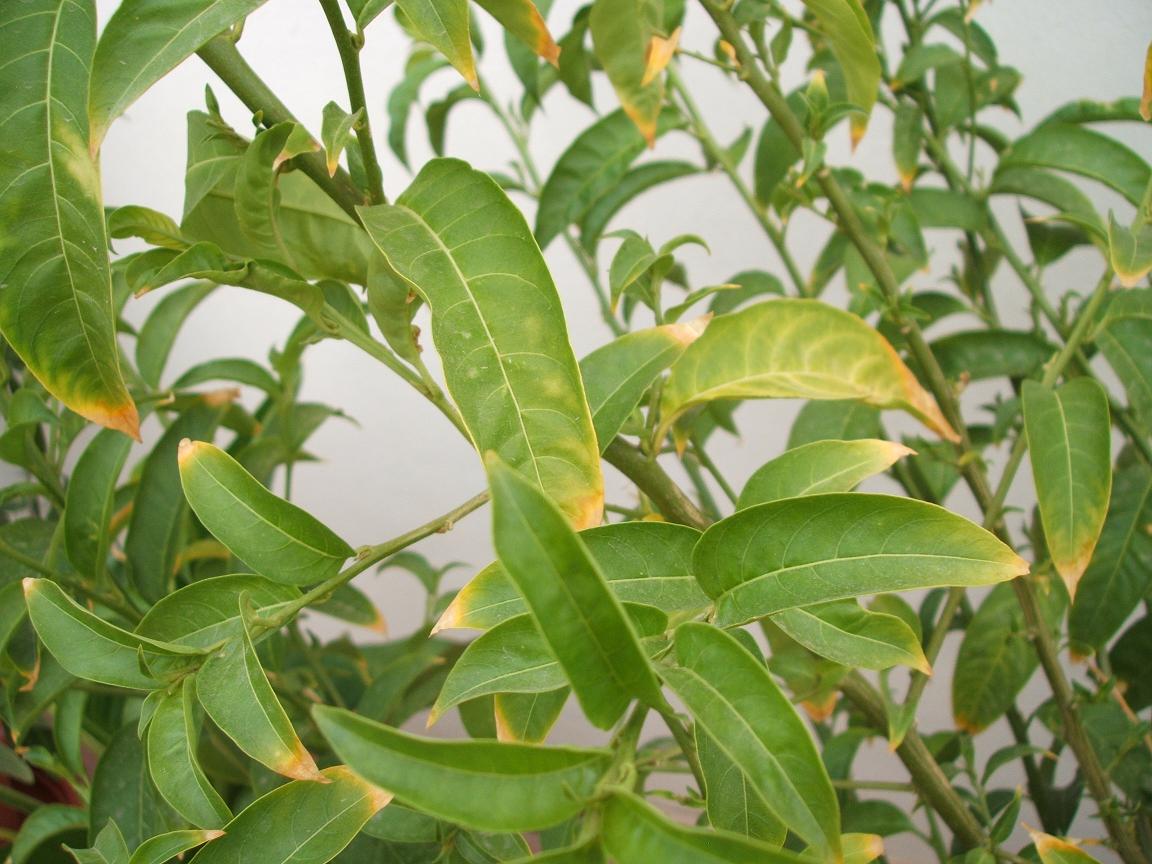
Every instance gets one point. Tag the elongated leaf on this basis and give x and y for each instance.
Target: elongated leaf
(233, 689)
(736, 701)
(159, 36)
(809, 550)
(497, 324)
(849, 34)
(206, 612)
(819, 467)
(578, 616)
(731, 802)
(299, 822)
(52, 821)
(237, 369)
(622, 33)
(91, 648)
(1125, 338)
(523, 20)
(843, 632)
(527, 718)
(635, 833)
(1069, 444)
(91, 500)
(795, 349)
(444, 25)
(481, 784)
(56, 307)
(1050, 188)
(276, 538)
(123, 794)
(978, 355)
(336, 131)
(165, 847)
(647, 563)
(1053, 850)
(172, 738)
(1077, 150)
(1130, 251)
(1120, 573)
(158, 335)
(640, 179)
(618, 374)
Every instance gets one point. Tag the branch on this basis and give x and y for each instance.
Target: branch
(652, 480)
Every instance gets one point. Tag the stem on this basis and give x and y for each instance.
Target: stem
(684, 739)
(647, 474)
(708, 465)
(350, 60)
(225, 60)
(877, 785)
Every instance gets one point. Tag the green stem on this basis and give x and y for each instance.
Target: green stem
(711, 467)
(350, 60)
(651, 479)
(876, 785)
(684, 740)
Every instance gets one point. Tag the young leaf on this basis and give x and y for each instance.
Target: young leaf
(56, 307)
(635, 833)
(802, 551)
(481, 784)
(91, 648)
(274, 537)
(578, 616)
(843, 632)
(165, 847)
(172, 738)
(845, 25)
(795, 349)
(299, 822)
(1069, 444)
(91, 500)
(1123, 337)
(527, 718)
(523, 20)
(734, 698)
(1129, 251)
(497, 323)
(819, 467)
(233, 689)
(617, 375)
(444, 25)
(336, 130)
(623, 32)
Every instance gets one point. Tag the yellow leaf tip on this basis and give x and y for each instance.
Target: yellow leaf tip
(213, 834)
(687, 332)
(187, 449)
(29, 585)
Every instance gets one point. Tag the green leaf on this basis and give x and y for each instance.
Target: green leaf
(1129, 251)
(617, 375)
(527, 718)
(523, 20)
(56, 307)
(795, 349)
(845, 25)
(734, 698)
(843, 632)
(123, 794)
(300, 822)
(1125, 338)
(444, 25)
(775, 153)
(1069, 445)
(43, 825)
(996, 658)
(819, 467)
(274, 537)
(237, 369)
(1053, 850)
(978, 355)
(599, 213)
(578, 616)
(235, 693)
(420, 66)
(206, 612)
(349, 603)
(158, 335)
(825, 421)
(165, 847)
(921, 59)
(158, 36)
(943, 208)
(151, 226)
(1062, 195)
(172, 738)
(647, 563)
(623, 33)
(802, 551)
(91, 501)
(1120, 572)
(257, 194)
(481, 784)
(91, 648)
(497, 324)
(731, 802)
(635, 833)
(1077, 150)
(336, 130)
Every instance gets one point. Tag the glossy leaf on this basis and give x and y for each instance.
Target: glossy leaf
(206, 612)
(734, 698)
(91, 501)
(299, 822)
(481, 784)
(56, 306)
(1125, 338)
(274, 537)
(819, 467)
(578, 616)
(623, 32)
(846, 26)
(498, 326)
(617, 375)
(444, 25)
(843, 632)
(1069, 445)
(172, 738)
(165, 847)
(795, 349)
(809, 550)
(523, 20)
(91, 648)
(232, 687)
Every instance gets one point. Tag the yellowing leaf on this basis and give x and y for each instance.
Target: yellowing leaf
(523, 20)
(444, 25)
(850, 36)
(1146, 94)
(661, 50)
(622, 32)
(1053, 850)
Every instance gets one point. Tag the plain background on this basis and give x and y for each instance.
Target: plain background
(400, 463)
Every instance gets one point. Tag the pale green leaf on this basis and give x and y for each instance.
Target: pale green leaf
(91, 501)
(846, 26)
(729, 797)
(845, 633)
(444, 25)
(1053, 850)
(623, 34)
(523, 20)
(336, 130)
(1130, 251)
(206, 612)
(527, 718)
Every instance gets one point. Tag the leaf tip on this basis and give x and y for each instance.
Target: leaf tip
(659, 53)
(687, 332)
(213, 834)
(186, 450)
(29, 585)
(301, 766)
(122, 417)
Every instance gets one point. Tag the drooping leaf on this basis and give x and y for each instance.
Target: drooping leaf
(481, 784)
(91, 500)
(497, 324)
(236, 369)
(846, 26)
(819, 467)
(151, 226)
(845, 633)
(578, 616)
(1050, 188)
(1069, 445)
(232, 687)
(1125, 338)
(523, 20)
(734, 698)
(444, 25)
(300, 822)
(795, 349)
(622, 35)
(56, 307)
(274, 537)
(809, 550)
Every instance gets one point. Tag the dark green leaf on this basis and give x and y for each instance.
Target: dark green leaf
(91, 500)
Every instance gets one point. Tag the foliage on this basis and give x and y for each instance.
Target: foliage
(159, 693)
